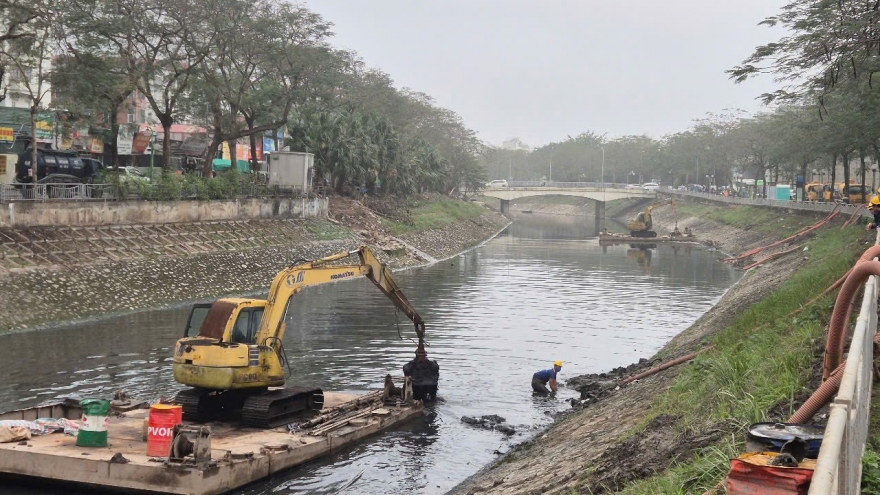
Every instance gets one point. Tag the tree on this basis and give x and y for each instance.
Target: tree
(257, 65)
(29, 54)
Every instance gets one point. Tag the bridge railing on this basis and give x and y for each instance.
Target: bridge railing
(569, 185)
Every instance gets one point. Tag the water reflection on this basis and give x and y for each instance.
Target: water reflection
(542, 291)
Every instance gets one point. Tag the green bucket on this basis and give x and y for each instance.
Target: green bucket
(93, 427)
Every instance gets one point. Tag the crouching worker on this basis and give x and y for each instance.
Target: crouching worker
(542, 379)
(425, 374)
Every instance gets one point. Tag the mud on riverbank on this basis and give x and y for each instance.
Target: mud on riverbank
(76, 276)
(592, 449)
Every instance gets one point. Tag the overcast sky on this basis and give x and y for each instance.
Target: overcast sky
(544, 69)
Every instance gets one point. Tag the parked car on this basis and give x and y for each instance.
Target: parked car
(128, 174)
(650, 186)
(497, 184)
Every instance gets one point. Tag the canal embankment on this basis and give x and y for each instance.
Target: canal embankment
(69, 272)
(674, 431)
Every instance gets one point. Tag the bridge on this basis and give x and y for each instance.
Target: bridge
(596, 191)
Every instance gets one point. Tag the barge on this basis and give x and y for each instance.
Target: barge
(224, 456)
(608, 238)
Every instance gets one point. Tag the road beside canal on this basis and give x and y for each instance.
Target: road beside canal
(637, 439)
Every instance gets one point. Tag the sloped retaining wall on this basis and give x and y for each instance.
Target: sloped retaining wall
(96, 214)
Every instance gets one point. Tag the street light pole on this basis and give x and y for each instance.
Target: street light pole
(550, 179)
(152, 150)
(603, 168)
(873, 179)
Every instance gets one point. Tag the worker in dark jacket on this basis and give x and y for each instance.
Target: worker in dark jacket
(874, 207)
(541, 379)
(425, 375)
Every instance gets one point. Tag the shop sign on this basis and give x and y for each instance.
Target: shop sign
(45, 130)
(141, 141)
(124, 139)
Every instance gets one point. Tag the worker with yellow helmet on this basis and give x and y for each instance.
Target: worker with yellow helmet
(541, 379)
(874, 207)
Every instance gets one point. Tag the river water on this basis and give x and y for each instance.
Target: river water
(542, 290)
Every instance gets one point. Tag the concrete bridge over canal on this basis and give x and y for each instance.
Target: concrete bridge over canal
(596, 191)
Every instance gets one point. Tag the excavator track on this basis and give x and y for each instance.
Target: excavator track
(200, 406)
(278, 407)
(189, 400)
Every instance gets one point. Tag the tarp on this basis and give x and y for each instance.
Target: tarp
(220, 165)
(750, 474)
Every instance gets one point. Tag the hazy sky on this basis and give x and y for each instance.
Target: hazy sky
(544, 69)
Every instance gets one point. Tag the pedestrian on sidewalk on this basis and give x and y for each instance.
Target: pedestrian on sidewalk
(543, 378)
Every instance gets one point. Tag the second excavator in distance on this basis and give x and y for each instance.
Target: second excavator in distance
(232, 353)
(641, 225)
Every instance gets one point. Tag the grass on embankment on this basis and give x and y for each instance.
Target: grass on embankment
(765, 220)
(761, 361)
(435, 214)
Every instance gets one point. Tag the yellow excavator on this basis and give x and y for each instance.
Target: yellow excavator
(236, 354)
(641, 225)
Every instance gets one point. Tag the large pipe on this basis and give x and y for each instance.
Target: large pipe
(663, 366)
(819, 398)
(838, 326)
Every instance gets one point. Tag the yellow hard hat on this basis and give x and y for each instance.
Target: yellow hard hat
(875, 201)
(557, 363)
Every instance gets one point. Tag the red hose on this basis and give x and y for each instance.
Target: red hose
(838, 326)
(819, 398)
(667, 364)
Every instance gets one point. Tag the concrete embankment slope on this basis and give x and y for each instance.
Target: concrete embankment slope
(618, 436)
(65, 273)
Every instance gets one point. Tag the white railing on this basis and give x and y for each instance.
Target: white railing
(846, 208)
(839, 466)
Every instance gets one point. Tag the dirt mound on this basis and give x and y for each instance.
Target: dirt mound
(364, 222)
(653, 450)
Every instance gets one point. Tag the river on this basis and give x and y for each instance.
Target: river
(542, 290)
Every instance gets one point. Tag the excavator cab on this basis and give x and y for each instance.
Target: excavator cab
(196, 316)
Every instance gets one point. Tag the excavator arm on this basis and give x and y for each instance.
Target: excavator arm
(293, 279)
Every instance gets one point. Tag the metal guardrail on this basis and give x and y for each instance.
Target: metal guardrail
(775, 203)
(839, 466)
(121, 192)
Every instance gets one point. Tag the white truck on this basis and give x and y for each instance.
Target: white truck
(291, 170)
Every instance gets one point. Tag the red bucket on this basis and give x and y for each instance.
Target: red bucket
(160, 428)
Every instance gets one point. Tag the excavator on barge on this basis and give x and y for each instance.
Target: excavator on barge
(641, 225)
(236, 358)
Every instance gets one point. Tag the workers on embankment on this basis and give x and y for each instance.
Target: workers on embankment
(543, 378)
(874, 208)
